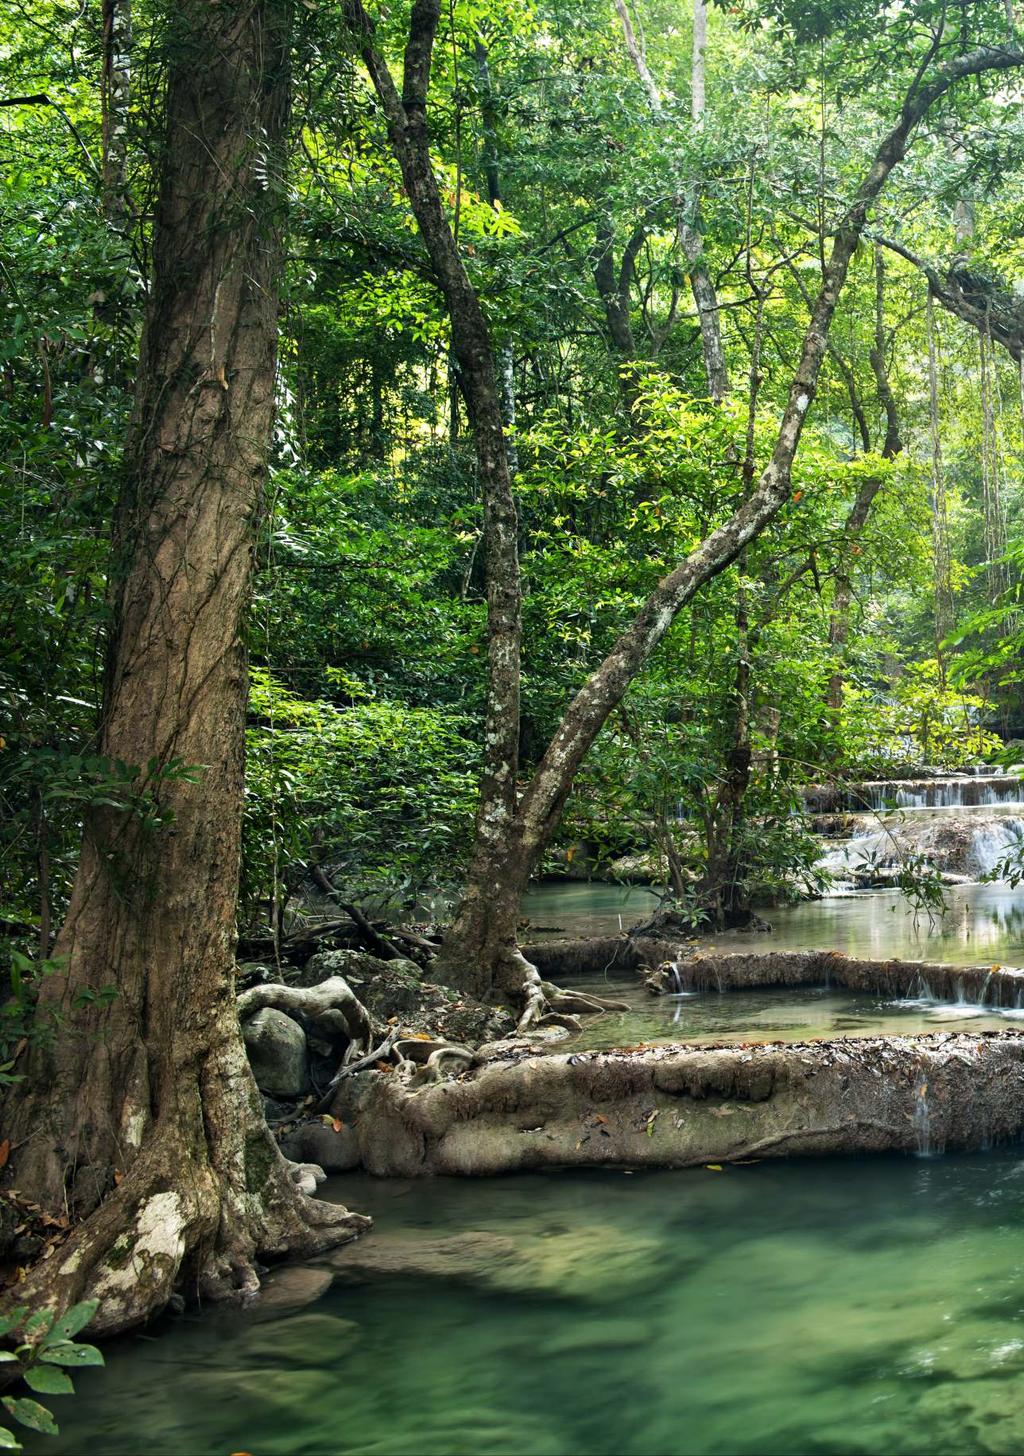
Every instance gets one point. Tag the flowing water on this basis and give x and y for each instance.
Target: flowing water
(812, 1308)
(820, 1308)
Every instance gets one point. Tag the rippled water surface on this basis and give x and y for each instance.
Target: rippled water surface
(818, 1307)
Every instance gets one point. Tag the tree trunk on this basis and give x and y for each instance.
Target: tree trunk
(115, 98)
(140, 1113)
(406, 117)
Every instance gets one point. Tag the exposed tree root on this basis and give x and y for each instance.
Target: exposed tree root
(159, 1234)
(331, 1005)
(685, 1106)
(545, 1004)
(419, 1060)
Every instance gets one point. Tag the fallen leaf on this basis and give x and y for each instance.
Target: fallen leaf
(713, 1167)
(337, 1124)
(118, 1176)
(5, 1152)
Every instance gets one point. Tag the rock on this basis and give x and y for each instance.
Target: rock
(469, 1022)
(276, 1046)
(386, 988)
(593, 1262)
(302, 1339)
(986, 1414)
(396, 989)
(290, 1288)
(597, 1333)
(307, 1177)
(317, 1142)
(253, 973)
(459, 1258)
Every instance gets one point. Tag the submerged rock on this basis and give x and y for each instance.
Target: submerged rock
(302, 1339)
(593, 1261)
(290, 1288)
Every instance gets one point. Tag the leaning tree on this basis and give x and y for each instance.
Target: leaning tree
(515, 824)
(139, 1114)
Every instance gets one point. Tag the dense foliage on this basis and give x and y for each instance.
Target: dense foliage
(367, 632)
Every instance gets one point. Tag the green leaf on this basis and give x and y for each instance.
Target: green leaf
(12, 1320)
(46, 1380)
(67, 1353)
(30, 1413)
(8, 1440)
(38, 1323)
(7, 1355)
(73, 1320)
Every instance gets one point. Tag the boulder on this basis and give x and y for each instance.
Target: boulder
(276, 1046)
(386, 988)
(317, 1142)
(396, 990)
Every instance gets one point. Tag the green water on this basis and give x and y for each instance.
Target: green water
(771, 1015)
(836, 1307)
(812, 1308)
(982, 922)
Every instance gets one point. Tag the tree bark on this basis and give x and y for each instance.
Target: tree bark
(140, 1114)
(613, 288)
(115, 100)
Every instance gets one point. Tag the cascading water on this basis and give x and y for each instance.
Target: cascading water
(956, 791)
(996, 842)
(922, 1119)
(959, 825)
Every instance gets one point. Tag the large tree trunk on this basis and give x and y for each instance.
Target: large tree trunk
(140, 1113)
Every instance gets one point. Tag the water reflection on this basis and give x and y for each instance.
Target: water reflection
(981, 923)
(772, 1015)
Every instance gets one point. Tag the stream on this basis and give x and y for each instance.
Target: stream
(821, 1306)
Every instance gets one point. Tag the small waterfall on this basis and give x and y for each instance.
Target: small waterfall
(956, 791)
(922, 1119)
(995, 842)
(861, 852)
(962, 792)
